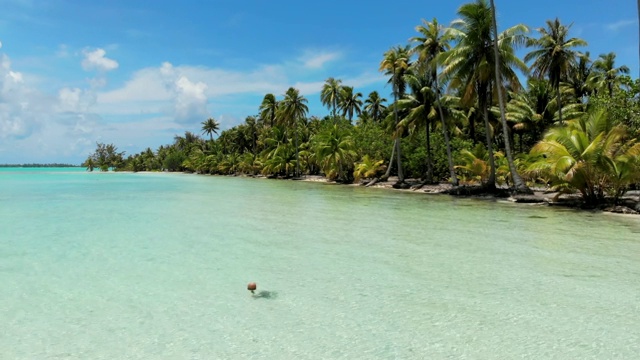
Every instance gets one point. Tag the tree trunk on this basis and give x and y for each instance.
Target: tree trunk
(445, 131)
(295, 129)
(388, 172)
(429, 179)
(559, 101)
(519, 184)
(472, 129)
(395, 114)
(491, 182)
(520, 139)
(639, 32)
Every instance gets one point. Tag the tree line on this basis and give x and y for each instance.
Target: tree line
(460, 114)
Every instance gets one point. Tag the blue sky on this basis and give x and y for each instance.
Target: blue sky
(136, 73)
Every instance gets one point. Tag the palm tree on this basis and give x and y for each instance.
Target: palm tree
(433, 42)
(395, 63)
(531, 111)
(90, 164)
(420, 104)
(471, 63)
(518, 183)
(330, 94)
(278, 155)
(210, 127)
(251, 126)
(580, 79)
(589, 155)
(350, 102)
(294, 108)
(335, 150)
(554, 56)
(374, 106)
(269, 108)
(606, 75)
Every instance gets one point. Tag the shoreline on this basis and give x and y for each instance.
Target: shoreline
(541, 197)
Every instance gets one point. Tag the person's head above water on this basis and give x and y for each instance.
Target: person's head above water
(252, 287)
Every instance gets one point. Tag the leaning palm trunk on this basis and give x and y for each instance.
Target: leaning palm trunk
(395, 114)
(388, 172)
(491, 182)
(393, 153)
(445, 131)
(518, 183)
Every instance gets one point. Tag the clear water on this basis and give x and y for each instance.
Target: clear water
(155, 266)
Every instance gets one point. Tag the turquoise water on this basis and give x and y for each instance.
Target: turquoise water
(155, 266)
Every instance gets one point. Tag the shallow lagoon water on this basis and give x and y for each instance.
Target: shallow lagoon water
(155, 266)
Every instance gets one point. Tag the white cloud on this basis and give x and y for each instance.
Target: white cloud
(147, 110)
(190, 102)
(96, 60)
(22, 109)
(619, 25)
(75, 100)
(317, 59)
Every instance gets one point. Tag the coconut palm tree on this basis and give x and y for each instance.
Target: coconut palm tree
(433, 42)
(350, 102)
(90, 163)
(269, 109)
(589, 155)
(330, 94)
(294, 109)
(374, 106)
(279, 155)
(335, 151)
(210, 127)
(421, 110)
(470, 65)
(518, 183)
(554, 55)
(605, 73)
(251, 131)
(531, 111)
(396, 63)
(580, 80)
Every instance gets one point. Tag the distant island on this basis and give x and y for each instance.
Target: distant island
(37, 165)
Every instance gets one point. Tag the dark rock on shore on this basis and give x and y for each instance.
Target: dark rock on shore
(527, 199)
(619, 209)
(478, 191)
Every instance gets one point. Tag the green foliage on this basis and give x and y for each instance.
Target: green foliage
(335, 152)
(281, 141)
(415, 155)
(105, 157)
(368, 168)
(372, 140)
(591, 155)
(174, 160)
(623, 105)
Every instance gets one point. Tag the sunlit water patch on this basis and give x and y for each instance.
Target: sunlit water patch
(155, 266)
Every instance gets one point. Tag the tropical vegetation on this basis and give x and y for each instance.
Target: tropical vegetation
(464, 108)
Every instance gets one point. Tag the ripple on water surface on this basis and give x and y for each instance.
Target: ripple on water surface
(138, 266)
